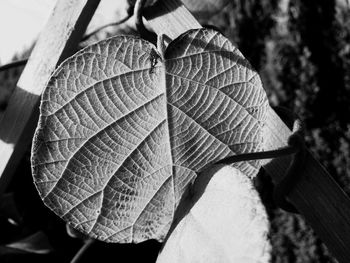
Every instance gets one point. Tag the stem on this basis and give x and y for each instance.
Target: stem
(138, 14)
(144, 32)
(288, 150)
(14, 64)
(123, 20)
(82, 250)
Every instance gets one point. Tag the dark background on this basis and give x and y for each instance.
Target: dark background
(301, 50)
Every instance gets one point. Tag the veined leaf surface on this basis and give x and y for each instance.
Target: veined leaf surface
(123, 131)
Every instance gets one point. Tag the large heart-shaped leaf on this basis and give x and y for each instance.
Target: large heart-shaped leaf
(123, 131)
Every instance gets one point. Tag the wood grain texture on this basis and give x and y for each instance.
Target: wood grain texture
(316, 195)
(170, 18)
(56, 42)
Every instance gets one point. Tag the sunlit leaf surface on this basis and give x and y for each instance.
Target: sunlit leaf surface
(123, 131)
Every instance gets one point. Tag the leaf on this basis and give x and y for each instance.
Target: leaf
(226, 222)
(72, 232)
(122, 131)
(36, 243)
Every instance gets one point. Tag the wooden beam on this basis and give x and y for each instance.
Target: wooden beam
(57, 41)
(170, 18)
(316, 195)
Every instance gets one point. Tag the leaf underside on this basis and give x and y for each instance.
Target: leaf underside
(122, 131)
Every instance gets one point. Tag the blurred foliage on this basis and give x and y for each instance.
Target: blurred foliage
(302, 51)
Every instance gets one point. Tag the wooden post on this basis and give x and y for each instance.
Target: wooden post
(316, 195)
(56, 42)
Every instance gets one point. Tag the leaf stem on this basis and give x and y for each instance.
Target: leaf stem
(121, 21)
(14, 64)
(288, 150)
(82, 250)
(144, 32)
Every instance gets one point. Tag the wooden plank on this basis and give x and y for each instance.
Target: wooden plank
(56, 42)
(316, 195)
(170, 18)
